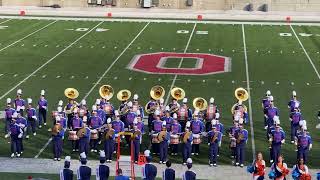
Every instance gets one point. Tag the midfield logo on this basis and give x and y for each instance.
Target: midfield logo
(153, 63)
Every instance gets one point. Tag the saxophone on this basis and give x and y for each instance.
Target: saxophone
(109, 133)
(81, 132)
(161, 135)
(215, 137)
(56, 129)
(186, 137)
(136, 134)
(240, 138)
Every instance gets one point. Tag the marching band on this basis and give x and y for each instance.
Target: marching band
(171, 127)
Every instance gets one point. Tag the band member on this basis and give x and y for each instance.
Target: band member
(210, 113)
(19, 103)
(216, 122)
(259, 166)
(136, 107)
(294, 103)
(108, 109)
(149, 171)
(42, 108)
(83, 110)
(70, 109)
(83, 172)
(164, 141)
(240, 112)
(214, 140)
(23, 123)
(232, 134)
(265, 105)
(151, 106)
(32, 118)
(197, 127)
(57, 143)
(301, 171)
(175, 132)
(66, 173)
(16, 133)
(189, 174)
(184, 113)
(118, 126)
(241, 140)
(76, 125)
(138, 122)
(187, 138)
(279, 170)
(167, 118)
(136, 138)
(95, 123)
(174, 106)
(295, 118)
(168, 173)
(304, 144)
(270, 112)
(102, 171)
(84, 138)
(120, 175)
(130, 116)
(100, 112)
(8, 116)
(277, 139)
(62, 121)
(156, 128)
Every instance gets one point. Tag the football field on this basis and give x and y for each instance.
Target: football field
(57, 54)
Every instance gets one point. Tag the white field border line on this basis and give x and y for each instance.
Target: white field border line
(49, 141)
(27, 36)
(160, 20)
(248, 89)
(5, 21)
(114, 61)
(310, 60)
(180, 64)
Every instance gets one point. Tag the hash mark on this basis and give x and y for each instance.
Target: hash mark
(115, 47)
(277, 82)
(144, 79)
(232, 81)
(72, 77)
(46, 45)
(44, 76)
(58, 77)
(308, 84)
(58, 46)
(189, 80)
(159, 79)
(87, 77)
(130, 78)
(115, 78)
(218, 80)
(103, 47)
(22, 45)
(15, 75)
(34, 45)
(292, 83)
(262, 82)
(204, 80)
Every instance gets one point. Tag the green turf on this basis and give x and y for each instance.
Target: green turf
(270, 59)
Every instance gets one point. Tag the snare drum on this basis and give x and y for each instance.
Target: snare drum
(73, 136)
(94, 134)
(174, 139)
(155, 138)
(196, 138)
(54, 114)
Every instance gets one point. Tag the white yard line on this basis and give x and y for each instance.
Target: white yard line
(47, 62)
(114, 61)
(43, 148)
(305, 52)
(248, 89)
(180, 64)
(5, 21)
(27, 35)
(162, 20)
(99, 80)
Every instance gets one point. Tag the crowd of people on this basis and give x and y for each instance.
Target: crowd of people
(171, 128)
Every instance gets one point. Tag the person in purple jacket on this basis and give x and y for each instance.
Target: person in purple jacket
(32, 119)
(42, 109)
(19, 103)
(8, 116)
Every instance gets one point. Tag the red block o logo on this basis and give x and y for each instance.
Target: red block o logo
(153, 63)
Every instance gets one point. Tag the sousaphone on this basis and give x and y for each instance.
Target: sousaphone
(177, 93)
(200, 103)
(71, 93)
(123, 95)
(106, 92)
(242, 95)
(157, 92)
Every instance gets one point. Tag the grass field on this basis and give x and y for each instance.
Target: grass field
(58, 56)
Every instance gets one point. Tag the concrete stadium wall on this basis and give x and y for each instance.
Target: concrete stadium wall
(272, 5)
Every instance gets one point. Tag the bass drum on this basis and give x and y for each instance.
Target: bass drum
(155, 139)
(94, 134)
(174, 139)
(73, 136)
